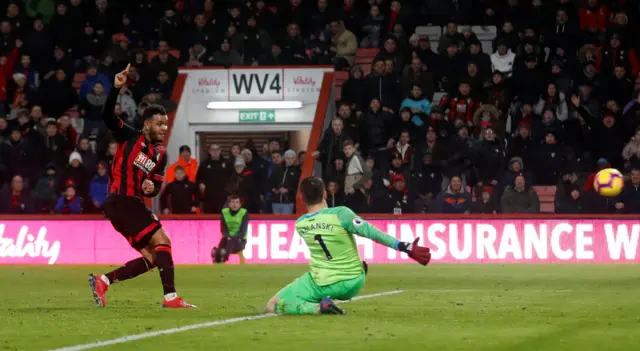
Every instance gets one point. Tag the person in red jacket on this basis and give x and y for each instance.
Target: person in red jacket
(613, 54)
(594, 17)
(6, 70)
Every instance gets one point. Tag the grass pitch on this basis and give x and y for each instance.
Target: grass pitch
(443, 307)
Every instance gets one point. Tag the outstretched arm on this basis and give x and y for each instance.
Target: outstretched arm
(121, 131)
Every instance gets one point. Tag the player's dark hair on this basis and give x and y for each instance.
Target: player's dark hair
(153, 110)
(312, 190)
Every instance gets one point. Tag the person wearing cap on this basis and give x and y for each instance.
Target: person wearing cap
(188, 163)
(519, 197)
(98, 186)
(16, 198)
(91, 78)
(69, 202)
(284, 184)
(485, 200)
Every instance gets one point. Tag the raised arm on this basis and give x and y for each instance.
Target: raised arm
(121, 131)
(356, 225)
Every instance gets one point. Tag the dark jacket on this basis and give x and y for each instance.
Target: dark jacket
(98, 188)
(514, 201)
(213, 173)
(20, 158)
(22, 204)
(451, 202)
(69, 206)
(244, 185)
(284, 177)
(180, 196)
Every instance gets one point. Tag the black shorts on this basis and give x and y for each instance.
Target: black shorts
(232, 245)
(131, 218)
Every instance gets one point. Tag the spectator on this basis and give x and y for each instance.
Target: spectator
(259, 167)
(211, 173)
(243, 184)
(631, 151)
(451, 36)
(75, 174)
(454, 200)
(91, 109)
(69, 202)
(20, 96)
(253, 42)
(180, 196)
(488, 158)
(376, 125)
(335, 197)
(615, 54)
(15, 198)
(93, 77)
(353, 88)
(550, 160)
(343, 44)
(127, 103)
(356, 171)
(98, 186)
(45, 193)
(233, 227)
(227, 56)
(417, 73)
(284, 183)
(480, 58)
(571, 202)
(629, 199)
(503, 59)
(19, 156)
(520, 198)
(5, 72)
(330, 147)
(485, 202)
(372, 27)
(67, 131)
(57, 94)
(516, 168)
(55, 146)
(460, 104)
(619, 86)
(189, 166)
(419, 106)
(594, 17)
(555, 100)
(88, 155)
(404, 150)
(400, 198)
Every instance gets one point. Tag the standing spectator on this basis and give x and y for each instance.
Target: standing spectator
(372, 27)
(98, 186)
(631, 151)
(550, 160)
(520, 198)
(211, 173)
(420, 107)
(488, 158)
(335, 197)
(20, 95)
(243, 185)
(91, 109)
(343, 44)
(75, 174)
(451, 36)
(485, 202)
(181, 196)
(5, 73)
(45, 193)
(127, 103)
(19, 156)
(594, 17)
(356, 171)
(258, 166)
(376, 128)
(55, 146)
(57, 94)
(284, 184)
(503, 59)
(69, 202)
(454, 200)
(15, 197)
(404, 149)
(88, 155)
(629, 200)
(555, 100)
(233, 227)
(516, 168)
(330, 147)
(189, 165)
(353, 88)
(418, 73)
(461, 104)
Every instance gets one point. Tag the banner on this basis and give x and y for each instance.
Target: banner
(276, 241)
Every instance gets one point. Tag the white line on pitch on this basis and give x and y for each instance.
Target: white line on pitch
(135, 337)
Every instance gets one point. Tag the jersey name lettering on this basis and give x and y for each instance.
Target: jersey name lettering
(143, 162)
(315, 226)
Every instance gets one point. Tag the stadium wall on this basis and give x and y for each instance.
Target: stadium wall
(480, 239)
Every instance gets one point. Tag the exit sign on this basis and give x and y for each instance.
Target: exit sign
(256, 116)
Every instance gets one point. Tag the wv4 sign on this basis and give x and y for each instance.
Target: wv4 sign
(259, 84)
(276, 241)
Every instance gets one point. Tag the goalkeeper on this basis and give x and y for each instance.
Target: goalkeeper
(336, 271)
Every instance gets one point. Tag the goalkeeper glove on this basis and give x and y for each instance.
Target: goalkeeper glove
(417, 253)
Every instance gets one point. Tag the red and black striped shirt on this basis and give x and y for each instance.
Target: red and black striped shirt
(136, 160)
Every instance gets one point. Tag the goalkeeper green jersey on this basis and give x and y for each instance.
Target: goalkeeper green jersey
(329, 235)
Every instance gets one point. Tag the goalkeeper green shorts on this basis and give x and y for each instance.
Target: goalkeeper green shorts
(305, 289)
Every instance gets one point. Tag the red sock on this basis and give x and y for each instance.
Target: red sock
(164, 262)
(130, 270)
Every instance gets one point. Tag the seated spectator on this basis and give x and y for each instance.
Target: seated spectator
(629, 199)
(20, 96)
(451, 36)
(233, 227)
(372, 28)
(98, 186)
(404, 150)
(550, 160)
(69, 202)
(419, 106)
(567, 182)
(488, 158)
(284, 184)
(516, 167)
(461, 104)
(243, 184)
(335, 197)
(400, 199)
(418, 73)
(488, 116)
(343, 44)
(180, 196)
(631, 151)
(127, 103)
(353, 88)
(571, 202)
(88, 155)
(15, 197)
(554, 100)
(19, 156)
(454, 200)
(398, 168)
(189, 166)
(503, 59)
(92, 77)
(91, 109)
(76, 174)
(45, 193)
(519, 197)
(485, 202)
(58, 95)
(226, 56)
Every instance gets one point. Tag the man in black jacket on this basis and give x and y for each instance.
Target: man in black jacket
(180, 196)
(213, 173)
(283, 183)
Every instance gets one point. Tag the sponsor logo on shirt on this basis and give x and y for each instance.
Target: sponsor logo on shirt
(143, 162)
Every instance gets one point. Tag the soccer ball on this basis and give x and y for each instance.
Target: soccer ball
(608, 182)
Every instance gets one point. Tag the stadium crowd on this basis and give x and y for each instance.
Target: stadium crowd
(555, 100)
